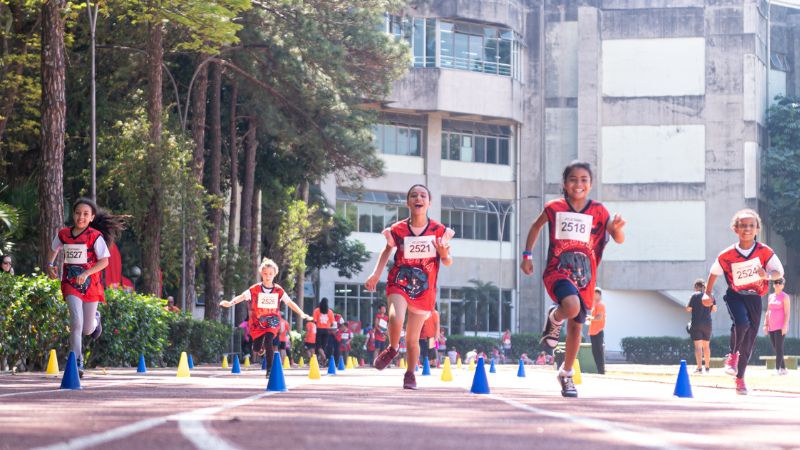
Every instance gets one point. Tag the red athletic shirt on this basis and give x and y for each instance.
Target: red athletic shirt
(416, 263)
(577, 240)
(381, 323)
(741, 271)
(284, 334)
(264, 309)
(79, 256)
(311, 333)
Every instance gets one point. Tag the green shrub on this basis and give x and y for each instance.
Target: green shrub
(671, 350)
(35, 319)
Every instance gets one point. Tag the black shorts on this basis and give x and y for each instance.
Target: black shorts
(380, 345)
(700, 332)
(310, 345)
(564, 288)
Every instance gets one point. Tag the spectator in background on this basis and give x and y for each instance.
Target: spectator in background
(776, 322)
(379, 327)
(700, 328)
(171, 305)
(310, 339)
(6, 265)
(506, 344)
(323, 318)
(428, 337)
(596, 334)
(472, 355)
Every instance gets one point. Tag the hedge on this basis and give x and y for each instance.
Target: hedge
(34, 319)
(671, 350)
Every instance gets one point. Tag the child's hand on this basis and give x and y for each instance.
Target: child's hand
(307, 317)
(442, 248)
(617, 223)
(53, 272)
(527, 266)
(763, 274)
(372, 282)
(225, 304)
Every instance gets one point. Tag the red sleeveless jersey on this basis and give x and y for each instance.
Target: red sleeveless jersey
(577, 240)
(265, 316)
(416, 264)
(741, 271)
(79, 256)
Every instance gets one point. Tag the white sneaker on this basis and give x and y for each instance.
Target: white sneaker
(783, 372)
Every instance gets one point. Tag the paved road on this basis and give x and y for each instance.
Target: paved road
(363, 408)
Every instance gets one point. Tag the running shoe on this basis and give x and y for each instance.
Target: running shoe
(731, 364)
(551, 331)
(783, 372)
(567, 385)
(708, 369)
(98, 330)
(409, 381)
(741, 389)
(80, 369)
(384, 358)
(698, 370)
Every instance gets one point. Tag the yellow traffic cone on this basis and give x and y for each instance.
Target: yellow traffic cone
(471, 365)
(458, 363)
(403, 363)
(447, 374)
(52, 363)
(183, 367)
(247, 360)
(349, 364)
(224, 361)
(286, 364)
(302, 362)
(313, 368)
(576, 377)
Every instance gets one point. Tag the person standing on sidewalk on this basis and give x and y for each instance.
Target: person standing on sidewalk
(776, 322)
(596, 334)
(700, 329)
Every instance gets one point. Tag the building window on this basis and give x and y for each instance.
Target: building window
(461, 45)
(476, 142)
(474, 309)
(354, 302)
(477, 218)
(371, 211)
(394, 139)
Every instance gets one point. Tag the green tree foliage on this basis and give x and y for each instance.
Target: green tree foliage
(331, 248)
(297, 228)
(781, 170)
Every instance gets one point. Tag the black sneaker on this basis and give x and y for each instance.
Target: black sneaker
(80, 369)
(98, 330)
(567, 385)
(551, 332)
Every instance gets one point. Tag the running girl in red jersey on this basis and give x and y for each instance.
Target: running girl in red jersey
(265, 319)
(747, 266)
(422, 246)
(578, 229)
(86, 254)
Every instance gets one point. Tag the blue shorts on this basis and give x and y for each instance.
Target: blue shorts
(563, 289)
(380, 345)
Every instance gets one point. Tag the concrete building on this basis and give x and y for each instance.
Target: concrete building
(666, 98)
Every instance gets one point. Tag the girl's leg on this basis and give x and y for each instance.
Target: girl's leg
(707, 353)
(778, 344)
(89, 317)
(75, 306)
(319, 345)
(397, 315)
(416, 318)
(269, 350)
(698, 353)
(573, 343)
(753, 309)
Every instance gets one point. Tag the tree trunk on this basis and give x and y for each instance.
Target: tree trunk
(54, 107)
(151, 234)
(255, 232)
(215, 215)
(247, 202)
(193, 228)
(301, 276)
(232, 220)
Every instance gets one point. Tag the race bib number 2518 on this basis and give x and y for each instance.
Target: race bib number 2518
(573, 226)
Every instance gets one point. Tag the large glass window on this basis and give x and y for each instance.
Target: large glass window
(394, 139)
(475, 309)
(476, 142)
(461, 45)
(371, 211)
(477, 218)
(354, 302)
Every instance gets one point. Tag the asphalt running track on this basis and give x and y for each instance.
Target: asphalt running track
(364, 408)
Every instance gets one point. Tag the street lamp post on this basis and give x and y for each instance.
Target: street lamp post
(500, 228)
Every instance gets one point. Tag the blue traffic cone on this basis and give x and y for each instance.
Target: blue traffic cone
(341, 363)
(426, 367)
(142, 368)
(480, 383)
(71, 379)
(191, 363)
(277, 382)
(264, 363)
(521, 370)
(683, 388)
(491, 367)
(331, 366)
(236, 369)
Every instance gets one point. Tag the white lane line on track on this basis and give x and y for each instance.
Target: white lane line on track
(113, 383)
(189, 422)
(637, 435)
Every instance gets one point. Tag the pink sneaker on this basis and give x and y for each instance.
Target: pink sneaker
(731, 364)
(741, 389)
(384, 358)
(409, 381)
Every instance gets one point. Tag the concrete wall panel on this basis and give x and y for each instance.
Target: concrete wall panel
(653, 110)
(561, 141)
(403, 164)
(625, 310)
(477, 171)
(652, 23)
(561, 64)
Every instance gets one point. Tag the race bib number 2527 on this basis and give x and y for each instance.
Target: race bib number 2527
(75, 254)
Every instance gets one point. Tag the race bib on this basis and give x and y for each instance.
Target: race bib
(267, 301)
(573, 226)
(418, 247)
(746, 272)
(382, 323)
(75, 254)
(345, 336)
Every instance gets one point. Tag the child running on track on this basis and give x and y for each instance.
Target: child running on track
(422, 247)
(265, 318)
(747, 266)
(86, 254)
(578, 229)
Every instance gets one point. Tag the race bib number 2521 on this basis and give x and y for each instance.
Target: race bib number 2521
(418, 247)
